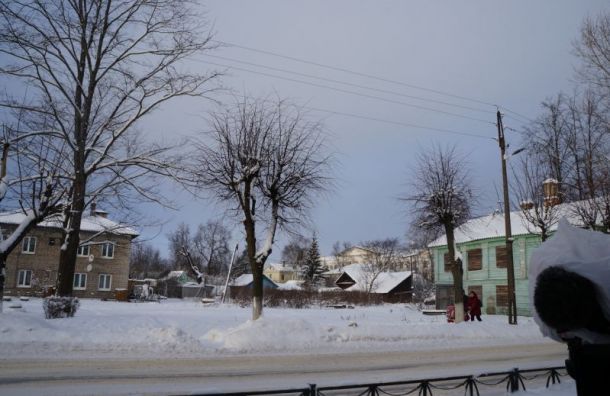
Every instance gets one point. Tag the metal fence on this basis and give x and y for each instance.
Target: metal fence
(513, 380)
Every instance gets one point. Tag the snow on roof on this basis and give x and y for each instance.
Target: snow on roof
(242, 280)
(291, 285)
(492, 226)
(384, 282)
(174, 274)
(88, 223)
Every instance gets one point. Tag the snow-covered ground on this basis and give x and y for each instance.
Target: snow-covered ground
(190, 330)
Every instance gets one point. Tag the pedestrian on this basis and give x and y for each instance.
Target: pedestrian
(474, 306)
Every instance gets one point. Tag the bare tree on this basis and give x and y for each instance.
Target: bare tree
(337, 252)
(267, 162)
(145, 260)
(180, 241)
(441, 199)
(593, 49)
(540, 216)
(295, 251)
(96, 68)
(211, 246)
(382, 257)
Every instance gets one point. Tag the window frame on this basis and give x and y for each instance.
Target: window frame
(87, 246)
(107, 279)
(105, 251)
(505, 257)
(470, 255)
(80, 276)
(27, 242)
(29, 279)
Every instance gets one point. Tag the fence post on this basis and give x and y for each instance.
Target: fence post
(471, 387)
(424, 389)
(513, 380)
(553, 376)
(313, 390)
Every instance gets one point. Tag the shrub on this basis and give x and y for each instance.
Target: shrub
(60, 307)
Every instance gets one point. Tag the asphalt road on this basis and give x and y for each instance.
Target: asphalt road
(130, 375)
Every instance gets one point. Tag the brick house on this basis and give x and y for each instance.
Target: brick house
(102, 264)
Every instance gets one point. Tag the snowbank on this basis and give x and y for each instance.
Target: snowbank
(186, 329)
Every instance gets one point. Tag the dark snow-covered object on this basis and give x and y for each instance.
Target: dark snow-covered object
(60, 307)
(584, 252)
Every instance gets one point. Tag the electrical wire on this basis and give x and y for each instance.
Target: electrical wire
(350, 84)
(347, 91)
(344, 70)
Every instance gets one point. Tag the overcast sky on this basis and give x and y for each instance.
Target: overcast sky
(510, 53)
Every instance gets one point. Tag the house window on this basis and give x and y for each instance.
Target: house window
(83, 251)
(475, 259)
(502, 296)
(29, 245)
(24, 278)
(108, 250)
(105, 282)
(80, 281)
(501, 258)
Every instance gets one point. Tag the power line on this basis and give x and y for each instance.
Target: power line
(351, 84)
(348, 92)
(387, 80)
(398, 123)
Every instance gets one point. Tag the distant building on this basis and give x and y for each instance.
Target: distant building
(282, 272)
(102, 263)
(243, 283)
(393, 286)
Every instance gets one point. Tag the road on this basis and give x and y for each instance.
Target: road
(206, 375)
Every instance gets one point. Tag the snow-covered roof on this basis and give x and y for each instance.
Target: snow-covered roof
(280, 267)
(174, 274)
(88, 223)
(492, 226)
(383, 283)
(242, 280)
(291, 285)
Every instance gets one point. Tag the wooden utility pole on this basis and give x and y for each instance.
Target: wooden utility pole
(512, 302)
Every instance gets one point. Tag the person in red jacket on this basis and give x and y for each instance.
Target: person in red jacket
(474, 306)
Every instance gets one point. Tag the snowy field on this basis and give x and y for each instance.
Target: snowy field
(188, 329)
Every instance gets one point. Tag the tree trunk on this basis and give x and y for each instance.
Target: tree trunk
(69, 247)
(456, 272)
(2, 278)
(257, 271)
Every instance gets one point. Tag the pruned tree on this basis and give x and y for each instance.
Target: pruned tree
(268, 163)
(96, 68)
(441, 197)
(382, 257)
(313, 268)
(180, 240)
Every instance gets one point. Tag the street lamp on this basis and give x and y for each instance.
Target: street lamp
(512, 301)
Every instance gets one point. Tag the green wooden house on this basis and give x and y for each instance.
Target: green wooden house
(480, 243)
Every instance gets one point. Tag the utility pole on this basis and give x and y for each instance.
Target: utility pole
(512, 302)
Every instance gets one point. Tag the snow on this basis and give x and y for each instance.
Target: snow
(384, 283)
(187, 328)
(88, 223)
(582, 251)
(291, 285)
(492, 226)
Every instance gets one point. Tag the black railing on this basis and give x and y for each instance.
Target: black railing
(514, 380)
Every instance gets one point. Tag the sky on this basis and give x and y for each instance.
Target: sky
(481, 53)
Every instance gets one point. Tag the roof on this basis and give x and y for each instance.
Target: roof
(492, 226)
(246, 279)
(291, 285)
(384, 283)
(88, 223)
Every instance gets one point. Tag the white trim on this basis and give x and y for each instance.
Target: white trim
(104, 247)
(28, 239)
(24, 286)
(80, 276)
(88, 247)
(105, 276)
